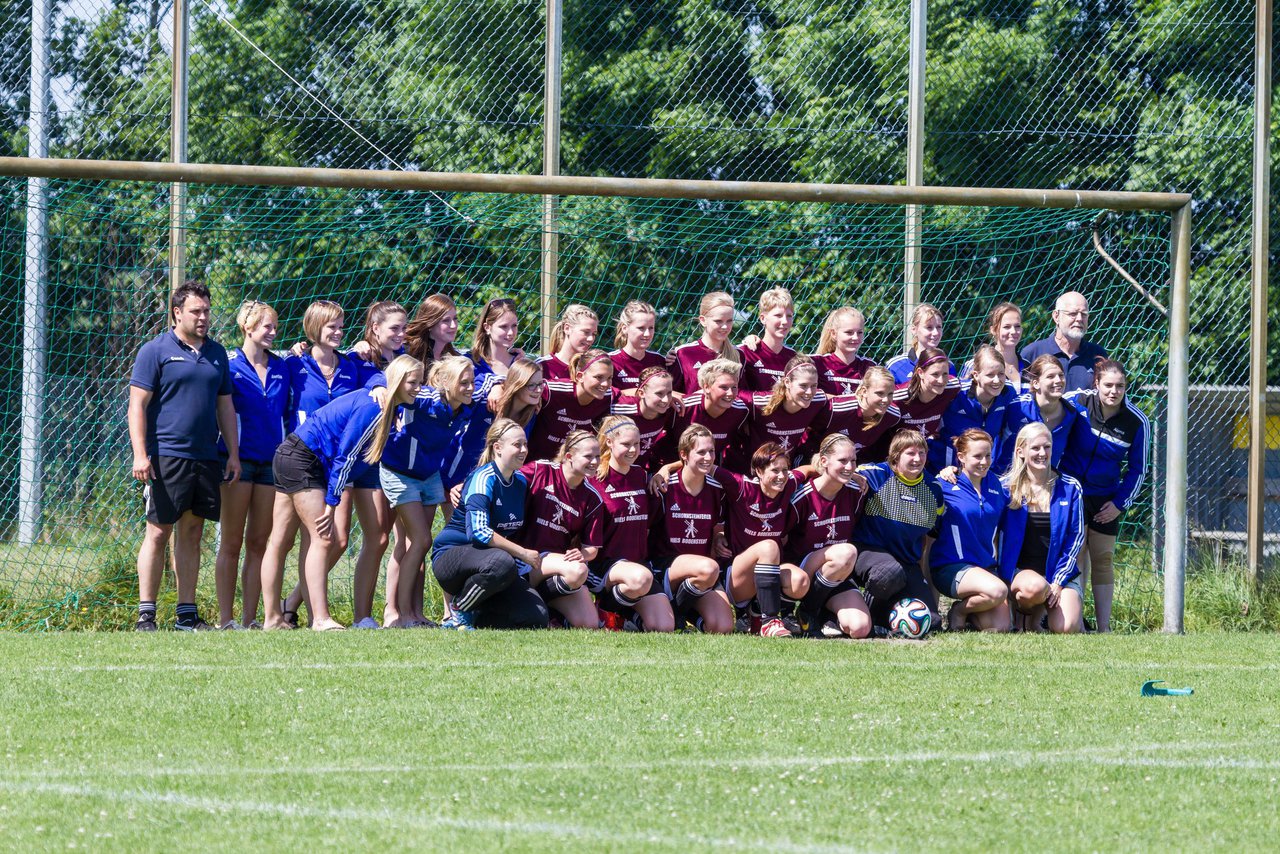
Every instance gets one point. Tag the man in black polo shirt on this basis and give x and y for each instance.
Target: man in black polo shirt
(1067, 343)
(179, 398)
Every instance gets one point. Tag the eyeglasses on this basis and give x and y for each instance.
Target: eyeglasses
(1079, 312)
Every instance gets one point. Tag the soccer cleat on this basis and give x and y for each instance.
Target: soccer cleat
(197, 625)
(460, 621)
(145, 624)
(367, 623)
(774, 629)
(609, 620)
(792, 625)
(742, 626)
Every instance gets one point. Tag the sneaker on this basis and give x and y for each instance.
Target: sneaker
(742, 626)
(198, 625)
(231, 626)
(774, 629)
(145, 624)
(792, 625)
(367, 623)
(460, 621)
(831, 629)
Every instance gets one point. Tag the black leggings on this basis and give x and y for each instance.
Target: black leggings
(487, 583)
(884, 580)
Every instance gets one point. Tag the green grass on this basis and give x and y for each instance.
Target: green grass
(566, 740)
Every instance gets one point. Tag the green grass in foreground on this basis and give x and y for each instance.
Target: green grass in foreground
(560, 740)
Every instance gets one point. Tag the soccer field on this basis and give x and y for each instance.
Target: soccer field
(555, 740)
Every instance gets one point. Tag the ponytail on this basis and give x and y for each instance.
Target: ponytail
(400, 367)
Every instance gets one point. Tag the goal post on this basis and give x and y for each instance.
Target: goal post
(650, 238)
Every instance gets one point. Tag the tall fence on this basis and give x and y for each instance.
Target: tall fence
(1079, 94)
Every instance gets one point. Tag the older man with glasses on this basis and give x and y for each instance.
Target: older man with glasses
(1068, 343)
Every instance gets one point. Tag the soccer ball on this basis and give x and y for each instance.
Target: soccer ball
(910, 618)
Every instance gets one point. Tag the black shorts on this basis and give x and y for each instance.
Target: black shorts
(1092, 504)
(255, 472)
(179, 485)
(296, 467)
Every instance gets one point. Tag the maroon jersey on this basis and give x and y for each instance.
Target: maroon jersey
(762, 367)
(682, 524)
(846, 417)
(684, 362)
(835, 377)
(822, 522)
(754, 516)
(557, 518)
(554, 369)
(724, 428)
(561, 414)
(925, 417)
(627, 370)
(626, 515)
(652, 430)
(788, 429)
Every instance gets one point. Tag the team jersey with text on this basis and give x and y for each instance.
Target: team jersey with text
(557, 518)
(845, 417)
(684, 363)
(753, 516)
(627, 369)
(724, 427)
(682, 523)
(626, 515)
(560, 415)
(837, 377)
(762, 367)
(822, 521)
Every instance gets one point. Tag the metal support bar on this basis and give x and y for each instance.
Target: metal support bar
(1175, 496)
(573, 185)
(550, 169)
(178, 148)
(35, 272)
(915, 162)
(1259, 274)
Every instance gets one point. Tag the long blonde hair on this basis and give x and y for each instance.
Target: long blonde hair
(608, 427)
(496, 431)
(400, 368)
(446, 372)
(827, 343)
(573, 315)
(627, 316)
(985, 353)
(795, 365)
(875, 372)
(923, 311)
(518, 375)
(1019, 478)
(720, 299)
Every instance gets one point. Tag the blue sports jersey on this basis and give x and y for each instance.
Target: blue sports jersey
(185, 384)
(1066, 534)
(428, 427)
(968, 531)
(897, 513)
(489, 505)
(1024, 410)
(260, 407)
(963, 413)
(1107, 456)
(308, 390)
(903, 364)
(339, 434)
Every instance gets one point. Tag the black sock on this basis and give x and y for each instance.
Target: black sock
(769, 589)
(789, 604)
(553, 587)
(187, 613)
(686, 595)
(623, 600)
(147, 611)
(819, 592)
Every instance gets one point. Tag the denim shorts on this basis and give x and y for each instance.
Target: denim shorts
(403, 489)
(946, 578)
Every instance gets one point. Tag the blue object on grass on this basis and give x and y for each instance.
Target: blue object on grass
(1154, 688)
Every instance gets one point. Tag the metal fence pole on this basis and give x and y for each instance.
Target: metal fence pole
(551, 168)
(1175, 496)
(178, 148)
(1261, 238)
(915, 161)
(35, 271)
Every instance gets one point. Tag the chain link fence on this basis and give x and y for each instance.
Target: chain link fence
(1066, 93)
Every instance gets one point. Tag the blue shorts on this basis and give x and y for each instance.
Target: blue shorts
(368, 479)
(255, 472)
(403, 489)
(946, 578)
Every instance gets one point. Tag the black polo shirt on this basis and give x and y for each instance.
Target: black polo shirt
(182, 417)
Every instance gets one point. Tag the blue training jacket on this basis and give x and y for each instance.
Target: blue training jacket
(1107, 456)
(261, 408)
(338, 434)
(428, 426)
(308, 390)
(1066, 533)
(489, 505)
(464, 451)
(965, 412)
(1024, 410)
(971, 523)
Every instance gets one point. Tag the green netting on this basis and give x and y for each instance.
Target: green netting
(107, 287)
